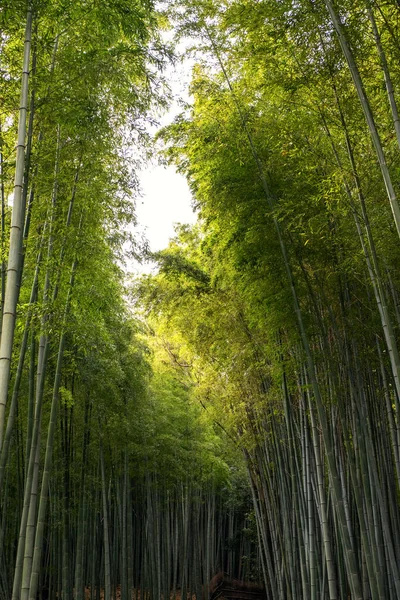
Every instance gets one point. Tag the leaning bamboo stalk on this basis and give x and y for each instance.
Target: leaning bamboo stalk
(386, 72)
(17, 222)
(358, 84)
(14, 400)
(27, 169)
(18, 376)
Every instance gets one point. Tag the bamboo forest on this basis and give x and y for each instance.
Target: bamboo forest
(223, 421)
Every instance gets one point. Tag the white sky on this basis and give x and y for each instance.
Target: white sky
(166, 198)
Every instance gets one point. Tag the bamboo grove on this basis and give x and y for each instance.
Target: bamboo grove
(113, 483)
(238, 409)
(283, 302)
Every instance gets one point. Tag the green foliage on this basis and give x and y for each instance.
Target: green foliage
(275, 305)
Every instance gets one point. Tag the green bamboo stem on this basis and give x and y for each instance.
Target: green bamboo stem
(17, 221)
(358, 84)
(18, 376)
(386, 72)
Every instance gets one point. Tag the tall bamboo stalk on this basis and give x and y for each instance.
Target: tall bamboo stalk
(17, 223)
(358, 84)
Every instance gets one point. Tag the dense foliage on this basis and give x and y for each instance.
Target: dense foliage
(284, 300)
(110, 474)
(264, 367)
